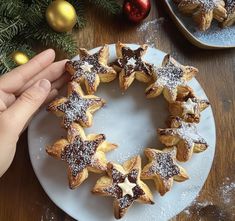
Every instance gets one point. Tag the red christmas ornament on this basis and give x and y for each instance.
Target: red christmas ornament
(136, 10)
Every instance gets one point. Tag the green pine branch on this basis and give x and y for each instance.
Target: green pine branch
(11, 8)
(49, 38)
(23, 23)
(10, 28)
(80, 11)
(6, 50)
(109, 6)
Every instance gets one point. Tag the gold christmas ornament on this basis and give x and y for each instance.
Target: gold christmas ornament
(19, 57)
(61, 16)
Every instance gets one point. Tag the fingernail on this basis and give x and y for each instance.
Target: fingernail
(45, 85)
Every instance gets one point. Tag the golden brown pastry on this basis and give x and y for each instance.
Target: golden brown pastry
(230, 7)
(171, 79)
(184, 136)
(91, 69)
(76, 107)
(188, 107)
(131, 66)
(163, 169)
(203, 11)
(124, 185)
(81, 153)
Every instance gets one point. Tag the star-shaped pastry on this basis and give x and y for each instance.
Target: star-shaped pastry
(130, 65)
(203, 11)
(91, 69)
(81, 153)
(230, 7)
(124, 185)
(171, 79)
(188, 107)
(163, 169)
(76, 107)
(184, 136)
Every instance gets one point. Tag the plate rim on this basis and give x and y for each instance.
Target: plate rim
(203, 183)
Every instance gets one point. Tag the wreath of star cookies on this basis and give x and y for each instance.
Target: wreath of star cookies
(87, 153)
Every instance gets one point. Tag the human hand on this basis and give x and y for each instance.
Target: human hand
(22, 91)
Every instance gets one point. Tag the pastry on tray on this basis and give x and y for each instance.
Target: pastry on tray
(81, 153)
(76, 107)
(124, 185)
(184, 136)
(163, 169)
(171, 79)
(203, 11)
(188, 107)
(91, 69)
(230, 7)
(131, 65)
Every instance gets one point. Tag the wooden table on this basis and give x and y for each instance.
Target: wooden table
(21, 196)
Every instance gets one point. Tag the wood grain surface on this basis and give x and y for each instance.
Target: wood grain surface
(23, 199)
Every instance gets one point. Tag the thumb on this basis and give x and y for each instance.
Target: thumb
(28, 103)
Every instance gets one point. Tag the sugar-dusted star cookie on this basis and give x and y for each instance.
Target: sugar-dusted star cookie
(163, 169)
(81, 153)
(203, 11)
(184, 136)
(124, 185)
(230, 7)
(91, 69)
(76, 107)
(188, 107)
(171, 79)
(130, 65)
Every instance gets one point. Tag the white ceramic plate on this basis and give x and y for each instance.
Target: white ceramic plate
(214, 38)
(129, 120)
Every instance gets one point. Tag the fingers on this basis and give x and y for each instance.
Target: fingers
(27, 104)
(18, 77)
(51, 73)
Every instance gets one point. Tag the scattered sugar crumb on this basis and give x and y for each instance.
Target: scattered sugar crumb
(150, 28)
(225, 194)
(217, 36)
(228, 191)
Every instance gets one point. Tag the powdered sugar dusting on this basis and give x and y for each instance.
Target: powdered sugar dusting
(225, 194)
(170, 76)
(79, 154)
(75, 108)
(188, 132)
(217, 35)
(164, 165)
(150, 29)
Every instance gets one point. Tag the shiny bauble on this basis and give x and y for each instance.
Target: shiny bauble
(61, 16)
(19, 57)
(136, 10)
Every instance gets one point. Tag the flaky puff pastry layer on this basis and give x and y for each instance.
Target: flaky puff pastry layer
(188, 106)
(76, 107)
(81, 153)
(131, 66)
(91, 69)
(184, 136)
(203, 11)
(230, 7)
(163, 169)
(124, 185)
(171, 79)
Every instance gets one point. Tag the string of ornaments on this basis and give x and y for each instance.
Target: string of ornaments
(51, 24)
